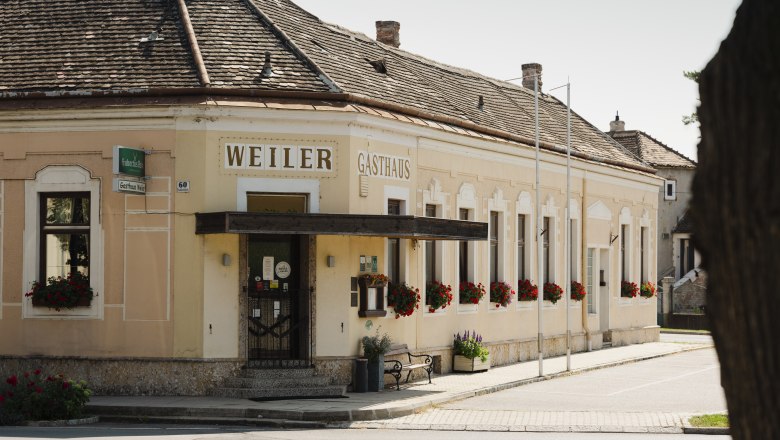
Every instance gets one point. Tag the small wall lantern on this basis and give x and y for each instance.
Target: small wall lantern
(226, 260)
(331, 261)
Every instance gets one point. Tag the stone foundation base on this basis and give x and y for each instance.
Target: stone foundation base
(501, 353)
(131, 377)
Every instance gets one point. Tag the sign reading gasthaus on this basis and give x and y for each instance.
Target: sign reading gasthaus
(382, 165)
(278, 157)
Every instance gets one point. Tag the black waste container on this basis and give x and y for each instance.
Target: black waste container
(361, 376)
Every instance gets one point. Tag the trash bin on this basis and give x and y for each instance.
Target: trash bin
(360, 383)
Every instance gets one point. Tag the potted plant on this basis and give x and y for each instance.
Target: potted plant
(527, 291)
(552, 292)
(577, 291)
(647, 290)
(404, 299)
(501, 293)
(438, 295)
(374, 349)
(58, 292)
(469, 353)
(470, 293)
(628, 289)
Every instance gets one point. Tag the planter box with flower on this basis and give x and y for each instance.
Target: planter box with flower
(501, 294)
(526, 291)
(647, 290)
(374, 349)
(58, 293)
(470, 293)
(438, 296)
(552, 292)
(577, 291)
(469, 353)
(628, 289)
(404, 299)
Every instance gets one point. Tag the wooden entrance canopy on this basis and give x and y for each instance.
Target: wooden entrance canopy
(397, 226)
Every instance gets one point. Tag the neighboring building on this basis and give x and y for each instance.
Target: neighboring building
(284, 157)
(673, 198)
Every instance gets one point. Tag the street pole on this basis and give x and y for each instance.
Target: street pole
(567, 287)
(539, 225)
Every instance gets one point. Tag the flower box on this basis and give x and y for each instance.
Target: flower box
(464, 364)
(82, 302)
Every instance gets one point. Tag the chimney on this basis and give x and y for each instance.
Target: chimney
(529, 70)
(617, 124)
(387, 32)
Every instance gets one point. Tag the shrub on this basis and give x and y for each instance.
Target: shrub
(527, 291)
(470, 293)
(647, 290)
(501, 293)
(470, 346)
(552, 292)
(628, 289)
(404, 299)
(374, 346)
(34, 396)
(577, 291)
(438, 295)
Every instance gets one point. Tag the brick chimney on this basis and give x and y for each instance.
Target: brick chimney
(387, 32)
(617, 124)
(529, 70)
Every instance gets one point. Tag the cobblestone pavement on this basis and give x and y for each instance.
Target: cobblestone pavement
(533, 421)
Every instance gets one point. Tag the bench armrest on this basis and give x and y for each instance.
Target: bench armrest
(394, 367)
(428, 358)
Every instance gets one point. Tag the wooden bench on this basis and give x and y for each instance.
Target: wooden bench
(395, 367)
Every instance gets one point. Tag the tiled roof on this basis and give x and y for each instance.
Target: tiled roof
(89, 46)
(651, 150)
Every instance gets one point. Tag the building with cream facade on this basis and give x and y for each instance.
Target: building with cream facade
(276, 173)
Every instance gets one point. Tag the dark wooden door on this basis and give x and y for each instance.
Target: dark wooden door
(275, 323)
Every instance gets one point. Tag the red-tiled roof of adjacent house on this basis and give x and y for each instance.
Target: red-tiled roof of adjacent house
(651, 150)
(91, 48)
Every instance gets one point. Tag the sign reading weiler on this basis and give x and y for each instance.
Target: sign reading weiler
(278, 157)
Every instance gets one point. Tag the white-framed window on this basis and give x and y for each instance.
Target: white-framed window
(495, 255)
(625, 247)
(63, 234)
(522, 247)
(548, 249)
(466, 250)
(644, 254)
(670, 190)
(591, 280)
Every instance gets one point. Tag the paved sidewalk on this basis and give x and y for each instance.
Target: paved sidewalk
(533, 421)
(409, 402)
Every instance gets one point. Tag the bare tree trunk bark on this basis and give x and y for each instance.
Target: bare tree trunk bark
(736, 214)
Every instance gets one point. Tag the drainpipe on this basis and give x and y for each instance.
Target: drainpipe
(584, 215)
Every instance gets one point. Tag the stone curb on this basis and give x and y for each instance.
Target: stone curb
(233, 421)
(59, 423)
(512, 428)
(705, 430)
(329, 417)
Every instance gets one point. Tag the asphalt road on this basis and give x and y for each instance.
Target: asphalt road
(682, 383)
(102, 431)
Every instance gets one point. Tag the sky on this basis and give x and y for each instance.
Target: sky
(625, 56)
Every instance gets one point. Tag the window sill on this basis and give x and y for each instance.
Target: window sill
(372, 313)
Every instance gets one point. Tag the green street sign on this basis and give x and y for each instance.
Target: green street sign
(129, 161)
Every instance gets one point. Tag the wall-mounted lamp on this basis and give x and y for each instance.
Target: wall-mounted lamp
(331, 261)
(612, 238)
(226, 260)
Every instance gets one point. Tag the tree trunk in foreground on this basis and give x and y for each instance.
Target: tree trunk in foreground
(736, 214)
